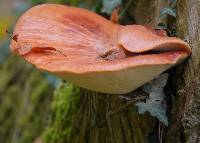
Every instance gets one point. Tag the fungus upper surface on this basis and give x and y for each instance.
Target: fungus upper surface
(64, 40)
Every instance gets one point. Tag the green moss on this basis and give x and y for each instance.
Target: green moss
(63, 107)
(24, 95)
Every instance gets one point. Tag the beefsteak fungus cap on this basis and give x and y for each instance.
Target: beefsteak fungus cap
(92, 52)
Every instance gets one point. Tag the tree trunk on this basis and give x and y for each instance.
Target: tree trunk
(109, 119)
(186, 107)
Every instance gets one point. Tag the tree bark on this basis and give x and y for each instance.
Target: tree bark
(186, 79)
(104, 118)
(146, 12)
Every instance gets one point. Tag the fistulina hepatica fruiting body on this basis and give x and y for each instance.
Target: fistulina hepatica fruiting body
(91, 51)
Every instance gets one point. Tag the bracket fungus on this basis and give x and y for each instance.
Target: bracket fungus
(93, 52)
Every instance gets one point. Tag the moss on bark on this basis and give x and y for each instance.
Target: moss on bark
(63, 108)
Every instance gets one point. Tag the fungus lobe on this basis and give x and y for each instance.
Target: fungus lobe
(92, 52)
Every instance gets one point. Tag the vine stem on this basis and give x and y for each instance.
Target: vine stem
(129, 103)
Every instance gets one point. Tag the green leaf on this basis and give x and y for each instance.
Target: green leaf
(155, 103)
(98, 7)
(109, 5)
(154, 108)
(167, 11)
(36, 2)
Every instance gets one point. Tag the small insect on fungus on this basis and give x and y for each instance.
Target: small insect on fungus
(15, 37)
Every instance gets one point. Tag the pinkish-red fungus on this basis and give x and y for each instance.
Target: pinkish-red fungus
(92, 52)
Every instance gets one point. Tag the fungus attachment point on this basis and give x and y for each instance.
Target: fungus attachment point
(93, 52)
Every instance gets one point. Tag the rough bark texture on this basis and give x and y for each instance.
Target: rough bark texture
(146, 12)
(186, 110)
(103, 120)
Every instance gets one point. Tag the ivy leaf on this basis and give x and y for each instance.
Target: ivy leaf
(156, 84)
(109, 5)
(155, 104)
(154, 108)
(167, 11)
